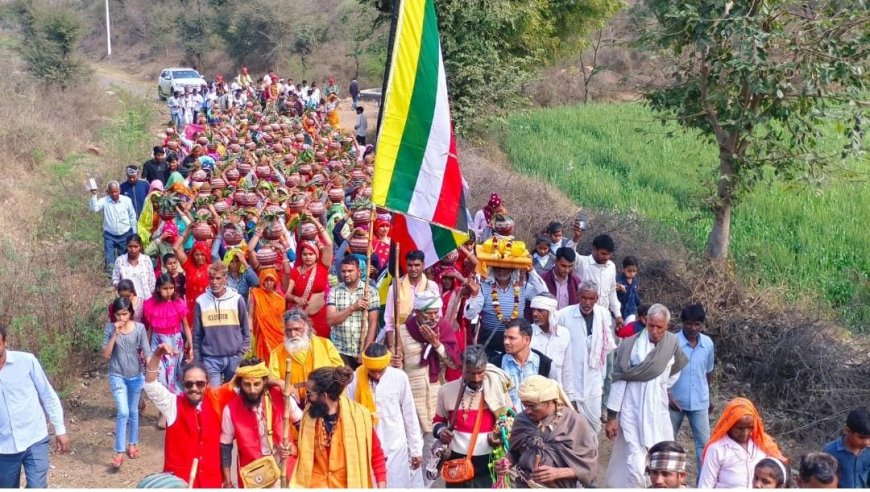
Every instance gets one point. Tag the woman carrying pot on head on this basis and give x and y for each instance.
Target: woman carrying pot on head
(309, 279)
(195, 265)
(266, 312)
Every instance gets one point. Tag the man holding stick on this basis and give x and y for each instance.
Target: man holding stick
(346, 307)
(253, 419)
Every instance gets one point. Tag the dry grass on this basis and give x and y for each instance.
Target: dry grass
(52, 290)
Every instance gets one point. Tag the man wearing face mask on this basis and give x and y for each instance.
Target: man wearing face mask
(338, 446)
(386, 392)
(254, 419)
(193, 421)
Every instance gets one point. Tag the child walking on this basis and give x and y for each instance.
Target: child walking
(122, 342)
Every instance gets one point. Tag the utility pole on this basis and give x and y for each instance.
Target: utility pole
(108, 31)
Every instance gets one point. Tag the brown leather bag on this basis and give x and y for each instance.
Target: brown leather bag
(461, 470)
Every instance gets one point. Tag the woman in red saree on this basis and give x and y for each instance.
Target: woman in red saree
(266, 311)
(381, 244)
(195, 267)
(309, 280)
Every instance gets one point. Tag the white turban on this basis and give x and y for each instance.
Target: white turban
(548, 304)
(427, 300)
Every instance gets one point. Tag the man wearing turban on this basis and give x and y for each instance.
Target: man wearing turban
(386, 392)
(254, 419)
(553, 340)
(428, 345)
(550, 444)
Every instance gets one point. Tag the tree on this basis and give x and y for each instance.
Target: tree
(253, 33)
(763, 79)
(491, 48)
(359, 31)
(306, 37)
(52, 35)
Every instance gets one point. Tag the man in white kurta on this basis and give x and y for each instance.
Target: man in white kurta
(645, 366)
(396, 422)
(553, 340)
(591, 342)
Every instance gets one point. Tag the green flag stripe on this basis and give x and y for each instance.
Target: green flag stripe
(415, 138)
(443, 239)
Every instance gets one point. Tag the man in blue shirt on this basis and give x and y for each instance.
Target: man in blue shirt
(852, 450)
(119, 221)
(520, 360)
(135, 189)
(690, 396)
(24, 441)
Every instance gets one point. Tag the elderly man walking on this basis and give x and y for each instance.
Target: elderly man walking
(428, 345)
(119, 221)
(645, 366)
(591, 343)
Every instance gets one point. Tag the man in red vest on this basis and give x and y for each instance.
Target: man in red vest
(254, 419)
(193, 422)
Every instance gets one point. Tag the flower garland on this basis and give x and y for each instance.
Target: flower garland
(497, 305)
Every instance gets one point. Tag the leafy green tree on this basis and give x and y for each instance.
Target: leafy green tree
(253, 34)
(52, 35)
(491, 48)
(764, 79)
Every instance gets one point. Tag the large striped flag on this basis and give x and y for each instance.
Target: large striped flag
(416, 169)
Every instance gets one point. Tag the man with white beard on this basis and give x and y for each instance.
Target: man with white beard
(304, 351)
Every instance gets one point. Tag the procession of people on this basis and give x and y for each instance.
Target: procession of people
(270, 316)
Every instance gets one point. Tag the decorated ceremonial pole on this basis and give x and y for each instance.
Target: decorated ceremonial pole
(285, 436)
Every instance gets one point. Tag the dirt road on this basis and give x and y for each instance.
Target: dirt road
(89, 406)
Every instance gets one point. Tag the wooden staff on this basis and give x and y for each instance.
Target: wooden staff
(365, 277)
(395, 287)
(194, 467)
(285, 434)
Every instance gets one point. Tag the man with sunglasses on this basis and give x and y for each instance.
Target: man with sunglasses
(193, 421)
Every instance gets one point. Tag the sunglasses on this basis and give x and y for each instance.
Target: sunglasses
(191, 384)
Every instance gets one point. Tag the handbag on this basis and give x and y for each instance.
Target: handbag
(439, 452)
(263, 472)
(461, 470)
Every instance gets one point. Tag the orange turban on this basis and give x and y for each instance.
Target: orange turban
(735, 410)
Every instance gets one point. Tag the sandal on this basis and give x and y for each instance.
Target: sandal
(118, 461)
(133, 452)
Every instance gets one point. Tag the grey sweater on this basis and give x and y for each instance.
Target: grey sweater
(125, 354)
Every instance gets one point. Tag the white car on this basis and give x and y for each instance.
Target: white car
(178, 79)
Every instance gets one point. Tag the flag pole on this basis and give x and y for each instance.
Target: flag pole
(364, 276)
(391, 41)
(395, 287)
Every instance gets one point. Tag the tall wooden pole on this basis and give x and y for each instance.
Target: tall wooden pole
(365, 276)
(395, 287)
(285, 432)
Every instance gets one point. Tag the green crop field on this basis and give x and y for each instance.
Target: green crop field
(811, 240)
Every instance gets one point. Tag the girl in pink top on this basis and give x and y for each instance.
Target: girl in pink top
(165, 317)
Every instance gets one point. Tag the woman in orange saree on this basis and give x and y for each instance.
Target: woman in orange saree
(266, 310)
